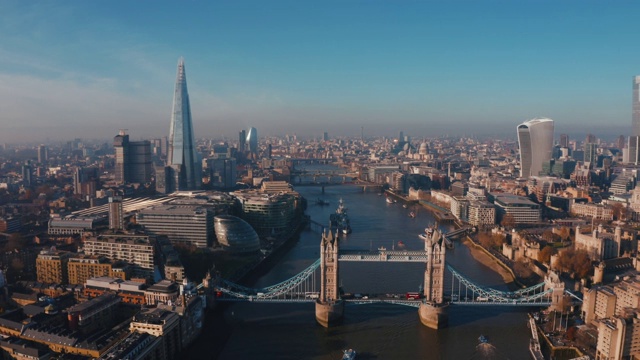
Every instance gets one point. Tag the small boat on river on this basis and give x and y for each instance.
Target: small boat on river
(340, 219)
(348, 354)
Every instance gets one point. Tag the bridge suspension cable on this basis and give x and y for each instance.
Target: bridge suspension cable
(300, 287)
(468, 292)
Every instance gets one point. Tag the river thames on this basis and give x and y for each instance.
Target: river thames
(376, 331)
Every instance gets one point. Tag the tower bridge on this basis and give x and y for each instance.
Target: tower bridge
(319, 284)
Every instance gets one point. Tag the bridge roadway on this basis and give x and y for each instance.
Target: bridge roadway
(373, 299)
(453, 233)
(383, 255)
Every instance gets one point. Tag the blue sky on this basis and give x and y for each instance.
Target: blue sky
(87, 68)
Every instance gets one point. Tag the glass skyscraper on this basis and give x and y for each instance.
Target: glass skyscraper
(535, 139)
(252, 140)
(635, 120)
(182, 157)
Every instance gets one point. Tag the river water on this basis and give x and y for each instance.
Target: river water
(376, 331)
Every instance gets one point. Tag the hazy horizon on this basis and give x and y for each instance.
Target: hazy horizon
(462, 68)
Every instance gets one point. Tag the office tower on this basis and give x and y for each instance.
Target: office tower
(27, 171)
(43, 154)
(121, 148)
(620, 142)
(140, 164)
(164, 146)
(162, 179)
(85, 181)
(242, 141)
(564, 140)
(590, 139)
(590, 153)
(222, 171)
(400, 136)
(535, 139)
(133, 159)
(182, 156)
(325, 136)
(116, 215)
(631, 154)
(635, 121)
(252, 140)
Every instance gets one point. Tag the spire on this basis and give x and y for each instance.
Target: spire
(182, 150)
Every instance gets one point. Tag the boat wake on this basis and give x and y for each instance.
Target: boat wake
(484, 350)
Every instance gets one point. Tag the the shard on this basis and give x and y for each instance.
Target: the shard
(182, 157)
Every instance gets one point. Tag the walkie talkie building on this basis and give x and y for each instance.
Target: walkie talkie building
(535, 139)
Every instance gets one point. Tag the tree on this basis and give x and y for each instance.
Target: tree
(544, 256)
(15, 242)
(576, 262)
(547, 235)
(619, 211)
(485, 240)
(508, 221)
(582, 264)
(488, 240)
(565, 233)
(418, 181)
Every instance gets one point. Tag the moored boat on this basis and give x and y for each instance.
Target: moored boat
(483, 340)
(348, 354)
(340, 219)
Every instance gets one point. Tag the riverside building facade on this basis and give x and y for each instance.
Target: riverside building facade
(186, 224)
(270, 214)
(520, 208)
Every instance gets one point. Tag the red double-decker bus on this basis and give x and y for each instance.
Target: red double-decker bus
(413, 296)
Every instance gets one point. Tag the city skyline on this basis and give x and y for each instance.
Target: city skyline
(430, 69)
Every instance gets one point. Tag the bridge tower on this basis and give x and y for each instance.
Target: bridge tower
(329, 305)
(553, 281)
(433, 309)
